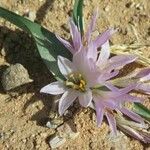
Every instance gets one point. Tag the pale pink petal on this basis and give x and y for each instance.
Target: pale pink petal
(65, 66)
(120, 91)
(124, 90)
(66, 100)
(99, 111)
(92, 25)
(106, 76)
(85, 98)
(145, 78)
(54, 88)
(105, 36)
(143, 72)
(110, 103)
(110, 86)
(112, 123)
(104, 55)
(85, 66)
(120, 61)
(76, 35)
(92, 51)
(129, 98)
(145, 87)
(66, 44)
(132, 115)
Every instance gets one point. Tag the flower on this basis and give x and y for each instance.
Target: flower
(80, 76)
(112, 99)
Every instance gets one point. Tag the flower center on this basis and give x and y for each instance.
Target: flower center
(76, 82)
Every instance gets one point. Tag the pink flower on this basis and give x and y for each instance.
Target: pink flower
(78, 83)
(113, 99)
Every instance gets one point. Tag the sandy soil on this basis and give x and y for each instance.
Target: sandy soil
(24, 112)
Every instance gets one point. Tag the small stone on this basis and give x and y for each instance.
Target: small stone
(3, 52)
(15, 76)
(56, 142)
(54, 123)
(32, 15)
(50, 125)
(66, 132)
(107, 8)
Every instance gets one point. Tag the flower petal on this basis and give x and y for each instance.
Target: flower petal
(92, 25)
(105, 36)
(66, 44)
(65, 66)
(85, 98)
(143, 72)
(85, 66)
(112, 123)
(104, 55)
(66, 100)
(132, 115)
(120, 92)
(144, 87)
(106, 76)
(129, 98)
(120, 61)
(76, 36)
(54, 88)
(99, 111)
(92, 51)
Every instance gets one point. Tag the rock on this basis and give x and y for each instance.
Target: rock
(50, 125)
(56, 141)
(65, 131)
(32, 15)
(54, 123)
(14, 76)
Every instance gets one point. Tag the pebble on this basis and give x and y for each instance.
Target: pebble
(50, 125)
(15, 76)
(56, 142)
(32, 15)
(66, 131)
(3, 52)
(107, 8)
(54, 123)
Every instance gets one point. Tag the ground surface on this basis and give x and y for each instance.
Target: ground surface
(23, 114)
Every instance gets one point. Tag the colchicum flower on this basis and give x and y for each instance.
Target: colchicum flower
(79, 80)
(88, 77)
(106, 102)
(88, 81)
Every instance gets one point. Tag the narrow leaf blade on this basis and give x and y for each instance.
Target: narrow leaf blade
(48, 46)
(78, 14)
(142, 110)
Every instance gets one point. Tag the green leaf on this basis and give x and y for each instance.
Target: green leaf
(49, 47)
(78, 14)
(142, 110)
